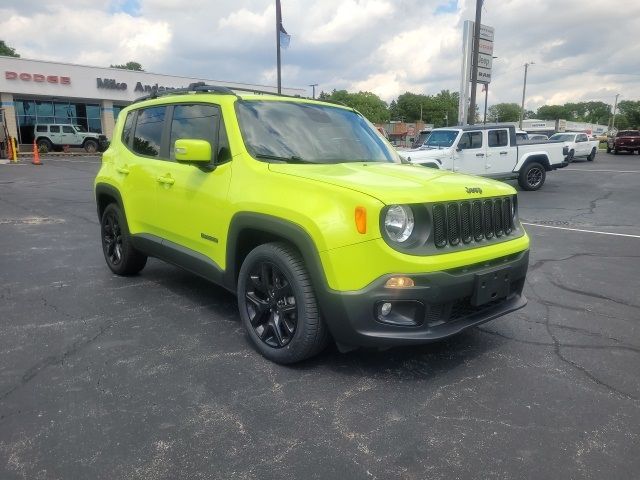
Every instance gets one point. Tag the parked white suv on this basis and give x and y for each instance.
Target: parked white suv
(48, 136)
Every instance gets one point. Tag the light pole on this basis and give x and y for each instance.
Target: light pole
(313, 86)
(615, 105)
(524, 89)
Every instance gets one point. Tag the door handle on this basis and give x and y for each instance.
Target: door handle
(124, 170)
(503, 153)
(479, 154)
(167, 180)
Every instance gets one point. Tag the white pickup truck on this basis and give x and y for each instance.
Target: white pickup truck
(578, 144)
(489, 151)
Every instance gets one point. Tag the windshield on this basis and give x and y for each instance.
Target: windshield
(441, 138)
(80, 128)
(563, 137)
(310, 133)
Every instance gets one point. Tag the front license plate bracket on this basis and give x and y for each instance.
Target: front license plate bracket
(491, 286)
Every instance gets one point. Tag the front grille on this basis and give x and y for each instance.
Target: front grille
(464, 222)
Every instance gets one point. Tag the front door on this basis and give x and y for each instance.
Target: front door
(192, 198)
(470, 154)
(68, 136)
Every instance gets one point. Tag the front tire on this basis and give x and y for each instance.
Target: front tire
(121, 257)
(278, 306)
(592, 155)
(532, 176)
(90, 146)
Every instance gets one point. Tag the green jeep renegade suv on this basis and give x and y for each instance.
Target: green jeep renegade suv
(305, 212)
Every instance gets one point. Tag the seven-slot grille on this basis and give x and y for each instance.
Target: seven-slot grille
(471, 221)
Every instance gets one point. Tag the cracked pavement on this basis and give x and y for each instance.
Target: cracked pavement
(152, 377)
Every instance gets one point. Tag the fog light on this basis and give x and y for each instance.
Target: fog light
(385, 309)
(400, 282)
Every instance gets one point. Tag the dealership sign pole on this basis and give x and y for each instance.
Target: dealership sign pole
(485, 64)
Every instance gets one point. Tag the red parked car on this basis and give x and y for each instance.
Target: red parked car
(625, 140)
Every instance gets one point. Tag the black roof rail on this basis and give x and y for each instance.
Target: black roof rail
(193, 87)
(201, 87)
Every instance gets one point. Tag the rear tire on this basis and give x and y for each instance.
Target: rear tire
(532, 176)
(121, 257)
(592, 155)
(44, 145)
(278, 306)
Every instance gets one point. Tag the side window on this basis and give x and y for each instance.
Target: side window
(582, 138)
(498, 138)
(201, 122)
(470, 140)
(41, 128)
(148, 134)
(66, 129)
(54, 128)
(128, 127)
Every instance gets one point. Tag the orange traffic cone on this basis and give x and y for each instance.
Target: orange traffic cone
(36, 155)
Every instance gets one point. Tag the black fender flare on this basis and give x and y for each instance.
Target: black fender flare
(103, 190)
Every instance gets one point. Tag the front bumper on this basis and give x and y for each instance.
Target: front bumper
(440, 304)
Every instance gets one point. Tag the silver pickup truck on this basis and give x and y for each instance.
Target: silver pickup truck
(490, 151)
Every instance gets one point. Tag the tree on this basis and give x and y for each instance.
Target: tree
(129, 66)
(7, 51)
(629, 111)
(552, 112)
(504, 112)
(440, 109)
(367, 103)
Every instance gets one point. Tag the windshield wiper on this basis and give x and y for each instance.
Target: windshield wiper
(291, 159)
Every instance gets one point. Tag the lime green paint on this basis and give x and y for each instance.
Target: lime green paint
(192, 150)
(179, 201)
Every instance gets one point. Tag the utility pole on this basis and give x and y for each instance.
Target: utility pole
(313, 85)
(615, 105)
(524, 89)
(278, 26)
(474, 63)
(486, 94)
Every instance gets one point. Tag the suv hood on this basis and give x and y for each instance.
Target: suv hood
(396, 183)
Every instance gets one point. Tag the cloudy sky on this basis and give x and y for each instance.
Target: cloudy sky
(582, 49)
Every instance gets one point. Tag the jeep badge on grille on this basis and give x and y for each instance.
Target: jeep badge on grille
(473, 189)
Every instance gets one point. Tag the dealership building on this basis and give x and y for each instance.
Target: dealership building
(36, 91)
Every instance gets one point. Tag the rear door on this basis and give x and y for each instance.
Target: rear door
(470, 156)
(501, 155)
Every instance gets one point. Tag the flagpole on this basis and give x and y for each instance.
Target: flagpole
(278, 24)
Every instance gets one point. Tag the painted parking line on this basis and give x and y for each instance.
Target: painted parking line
(582, 230)
(592, 170)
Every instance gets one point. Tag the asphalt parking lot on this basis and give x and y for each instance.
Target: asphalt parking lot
(152, 377)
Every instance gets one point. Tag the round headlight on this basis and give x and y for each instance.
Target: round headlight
(399, 223)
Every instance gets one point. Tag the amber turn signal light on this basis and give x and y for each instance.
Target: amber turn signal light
(400, 282)
(361, 219)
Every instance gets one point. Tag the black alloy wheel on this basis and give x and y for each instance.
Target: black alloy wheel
(532, 176)
(111, 238)
(278, 305)
(90, 146)
(271, 304)
(121, 257)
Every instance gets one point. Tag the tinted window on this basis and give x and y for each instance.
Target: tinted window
(66, 129)
(126, 130)
(41, 128)
(498, 138)
(54, 128)
(470, 140)
(148, 134)
(197, 122)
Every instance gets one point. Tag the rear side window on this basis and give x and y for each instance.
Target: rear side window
(126, 130)
(66, 129)
(200, 122)
(148, 134)
(41, 128)
(54, 128)
(470, 140)
(498, 138)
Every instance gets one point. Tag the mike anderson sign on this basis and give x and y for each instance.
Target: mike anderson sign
(112, 84)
